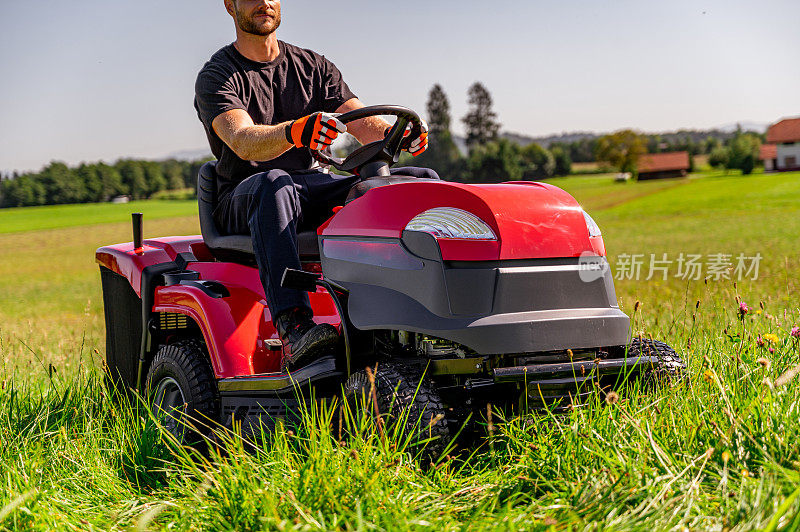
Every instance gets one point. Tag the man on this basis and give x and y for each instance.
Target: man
(263, 104)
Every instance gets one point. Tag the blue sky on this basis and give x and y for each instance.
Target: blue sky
(100, 79)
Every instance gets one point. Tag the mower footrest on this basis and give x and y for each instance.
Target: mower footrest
(580, 370)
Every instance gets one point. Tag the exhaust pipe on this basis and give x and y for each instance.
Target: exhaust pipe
(138, 244)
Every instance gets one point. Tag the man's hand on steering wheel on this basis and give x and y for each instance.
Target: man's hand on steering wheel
(316, 131)
(417, 145)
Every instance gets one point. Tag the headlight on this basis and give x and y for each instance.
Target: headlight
(448, 222)
(591, 225)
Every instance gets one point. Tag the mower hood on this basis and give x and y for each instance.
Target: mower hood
(529, 220)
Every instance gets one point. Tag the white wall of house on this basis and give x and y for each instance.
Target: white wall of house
(787, 151)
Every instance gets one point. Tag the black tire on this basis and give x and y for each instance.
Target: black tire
(669, 368)
(183, 372)
(403, 395)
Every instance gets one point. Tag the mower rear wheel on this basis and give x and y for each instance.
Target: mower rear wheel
(183, 391)
(669, 366)
(401, 395)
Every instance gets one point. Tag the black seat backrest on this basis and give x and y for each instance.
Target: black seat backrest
(234, 248)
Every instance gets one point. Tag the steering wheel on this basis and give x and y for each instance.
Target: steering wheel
(375, 158)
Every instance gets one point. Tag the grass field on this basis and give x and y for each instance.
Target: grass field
(720, 452)
(62, 216)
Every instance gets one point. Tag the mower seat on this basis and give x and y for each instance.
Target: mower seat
(235, 248)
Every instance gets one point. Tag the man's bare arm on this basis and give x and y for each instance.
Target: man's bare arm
(365, 130)
(249, 141)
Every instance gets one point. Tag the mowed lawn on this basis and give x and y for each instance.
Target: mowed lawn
(717, 452)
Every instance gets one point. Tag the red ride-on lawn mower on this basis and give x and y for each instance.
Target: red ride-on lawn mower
(456, 295)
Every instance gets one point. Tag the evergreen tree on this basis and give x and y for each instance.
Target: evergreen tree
(438, 107)
(481, 122)
(442, 154)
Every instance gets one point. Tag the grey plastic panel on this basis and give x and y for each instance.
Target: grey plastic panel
(471, 292)
(548, 287)
(493, 308)
(373, 307)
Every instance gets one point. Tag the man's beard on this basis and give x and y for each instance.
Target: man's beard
(249, 24)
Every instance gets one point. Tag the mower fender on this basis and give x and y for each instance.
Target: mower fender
(238, 329)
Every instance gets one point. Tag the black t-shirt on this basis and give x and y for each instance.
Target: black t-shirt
(297, 83)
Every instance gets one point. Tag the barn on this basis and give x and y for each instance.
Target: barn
(768, 154)
(785, 135)
(663, 165)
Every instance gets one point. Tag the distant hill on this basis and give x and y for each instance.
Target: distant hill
(189, 155)
(566, 138)
(747, 125)
(722, 133)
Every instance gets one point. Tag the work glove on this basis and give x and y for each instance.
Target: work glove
(417, 145)
(316, 131)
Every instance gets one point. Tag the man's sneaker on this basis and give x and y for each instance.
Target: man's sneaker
(304, 339)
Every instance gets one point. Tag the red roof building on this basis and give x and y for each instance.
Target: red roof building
(787, 130)
(662, 165)
(767, 152)
(785, 136)
(769, 155)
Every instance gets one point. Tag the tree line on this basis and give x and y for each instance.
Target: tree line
(584, 149)
(490, 157)
(621, 150)
(58, 183)
(493, 156)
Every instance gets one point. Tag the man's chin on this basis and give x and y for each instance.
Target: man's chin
(263, 27)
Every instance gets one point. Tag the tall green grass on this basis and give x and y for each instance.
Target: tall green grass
(717, 451)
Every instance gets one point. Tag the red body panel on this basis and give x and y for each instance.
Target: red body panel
(235, 328)
(124, 260)
(531, 220)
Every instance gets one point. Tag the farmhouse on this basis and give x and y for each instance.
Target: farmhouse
(769, 155)
(662, 165)
(785, 135)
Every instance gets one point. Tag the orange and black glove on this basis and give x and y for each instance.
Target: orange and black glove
(316, 131)
(417, 145)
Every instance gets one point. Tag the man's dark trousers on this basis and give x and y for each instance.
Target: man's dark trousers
(273, 207)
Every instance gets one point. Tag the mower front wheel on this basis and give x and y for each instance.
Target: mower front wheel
(182, 390)
(668, 368)
(398, 396)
